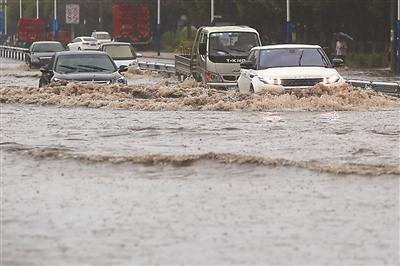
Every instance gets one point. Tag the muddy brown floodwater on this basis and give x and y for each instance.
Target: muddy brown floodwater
(166, 173)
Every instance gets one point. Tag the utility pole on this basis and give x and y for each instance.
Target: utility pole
(55, 22)
(158, 27)
(398, 37)
(212, 12)
(288, 23)
(392, 36)
(2, 18)
(5, 17)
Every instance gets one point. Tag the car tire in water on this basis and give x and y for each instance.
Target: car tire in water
(41, 83)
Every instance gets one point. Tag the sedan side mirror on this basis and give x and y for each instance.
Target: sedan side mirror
(337, 62)
(247, 64)
(122, 68)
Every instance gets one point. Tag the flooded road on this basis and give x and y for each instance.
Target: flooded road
(168, 173)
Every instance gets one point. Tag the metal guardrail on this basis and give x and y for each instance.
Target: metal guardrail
(388, 88)
(16, 53)
(159, 67)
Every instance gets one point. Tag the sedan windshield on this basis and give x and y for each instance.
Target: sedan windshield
(84, 63)
(47, 47)
(120, 52)
(293, 57)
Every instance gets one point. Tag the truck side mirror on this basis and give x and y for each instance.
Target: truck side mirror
(203, 48)
(247, 64)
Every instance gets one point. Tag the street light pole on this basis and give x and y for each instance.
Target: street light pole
(158, 27)
(288, 23)
(37, 8)
(398, 37)
(212, 11)
(5, 18)
(55, 10)
(55, 23)
(20, 8)
(393, 49)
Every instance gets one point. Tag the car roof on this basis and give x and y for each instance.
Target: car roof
(115, 43)
(81, 53)
(101, 32)
(84, 37)
(211, 29)
(45, 42)
(287, 46)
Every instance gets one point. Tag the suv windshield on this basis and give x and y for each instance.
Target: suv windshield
(293, 57)
(84, 63)
(120, 52)
(47, 47)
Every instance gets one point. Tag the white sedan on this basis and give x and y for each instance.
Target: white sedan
(287, 66)
(83, 43)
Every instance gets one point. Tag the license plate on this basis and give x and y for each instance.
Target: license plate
(93, 44)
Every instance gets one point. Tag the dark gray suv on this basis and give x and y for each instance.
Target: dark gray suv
(82, 66)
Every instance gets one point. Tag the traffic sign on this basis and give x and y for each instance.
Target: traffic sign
(72, 14)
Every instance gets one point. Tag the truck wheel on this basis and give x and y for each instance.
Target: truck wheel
(41, 83)
(251, 88)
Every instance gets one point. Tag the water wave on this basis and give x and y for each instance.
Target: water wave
(169, 96)
(63, 153)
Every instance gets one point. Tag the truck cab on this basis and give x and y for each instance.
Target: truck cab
(218, 51)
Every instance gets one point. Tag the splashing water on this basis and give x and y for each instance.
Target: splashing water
(166, 95)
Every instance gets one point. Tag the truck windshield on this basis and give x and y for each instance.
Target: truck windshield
(224, 46)
(120, 52)
(289, 57)
(84, 63)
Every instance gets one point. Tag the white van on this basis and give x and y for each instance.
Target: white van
(122, 53)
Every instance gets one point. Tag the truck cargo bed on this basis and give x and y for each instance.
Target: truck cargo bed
(182, 65)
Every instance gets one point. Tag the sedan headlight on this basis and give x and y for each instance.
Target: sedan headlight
(331, 79)
(57, 80)
(271, 81)
(122, 80)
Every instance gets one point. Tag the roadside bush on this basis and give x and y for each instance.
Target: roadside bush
(362, 60)
(173, 41)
